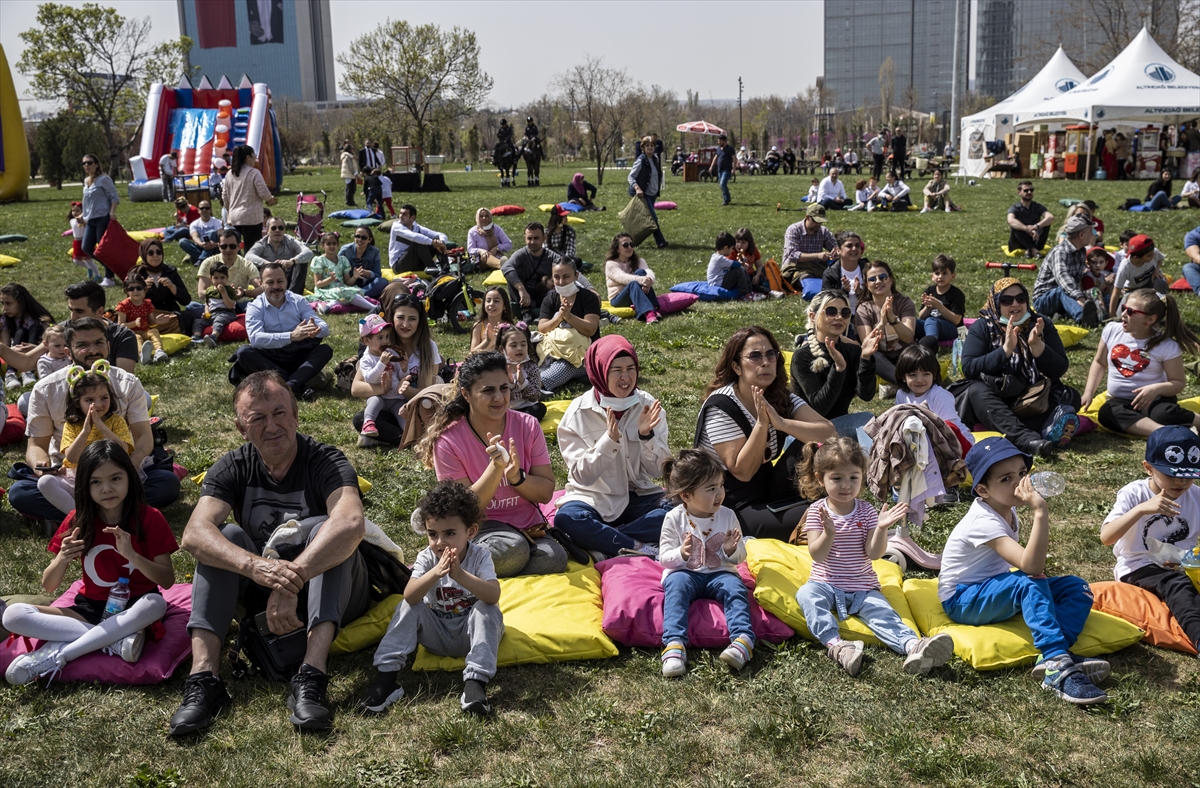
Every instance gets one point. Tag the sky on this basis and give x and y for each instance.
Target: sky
(775, 47)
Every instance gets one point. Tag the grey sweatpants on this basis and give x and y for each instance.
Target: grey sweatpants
(340, 594)
(475, 636)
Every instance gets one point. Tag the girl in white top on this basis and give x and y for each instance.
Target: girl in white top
(497, 311)
(919, 382)
(1143, 357)
(844, 536)
(78, 226)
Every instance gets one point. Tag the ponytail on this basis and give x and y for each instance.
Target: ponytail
(469, 372)
(807, 482)
(1169, 324)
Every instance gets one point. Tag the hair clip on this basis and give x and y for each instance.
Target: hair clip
(1161, 296)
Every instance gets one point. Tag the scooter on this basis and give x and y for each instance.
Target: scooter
(902, 550)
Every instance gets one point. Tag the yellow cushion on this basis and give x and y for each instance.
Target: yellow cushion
(364, 486)
(1092, 411)
(153, 402)
(787, 366)
(6, 261)
(576, 220)
(1009, 643)
(1191, 403)
(173, 343)
(368, 629)
(1070, 335)
(495, 278)
(390, 275)
(619, 311)
(555, 410)
(547, 618)
(780, 569)
(142, 235)
(546, 207)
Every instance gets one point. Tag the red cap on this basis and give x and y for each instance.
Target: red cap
(1140, 244)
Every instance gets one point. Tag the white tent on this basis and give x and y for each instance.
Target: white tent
(1142, 84)
(1058, 76)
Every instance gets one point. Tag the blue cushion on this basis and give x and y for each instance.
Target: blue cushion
(350, 213)
(570, 206)
(809, 287)
(706, 291)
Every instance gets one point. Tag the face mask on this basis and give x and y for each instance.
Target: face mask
(1004, 321)
(566, 291)
(620, 403)
(486, 228)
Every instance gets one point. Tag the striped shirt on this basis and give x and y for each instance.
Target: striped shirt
(720, 428)
(847, 567)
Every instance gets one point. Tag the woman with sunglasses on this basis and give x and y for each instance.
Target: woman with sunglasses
(828, 369)
(165, 288)
(747, 417)
(630, 280)
(847, 275)
(487, 241)
(100, 200)
(1013, 363)
(364, 259)
(418, 355)
(891, 312)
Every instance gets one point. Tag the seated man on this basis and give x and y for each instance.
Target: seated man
(1029, 222)
(937, 194)
(285, 336)
(204, 233)
(276, 476)
(278, 247)
(185, 214)
(832, 192)
(808, 247)
(86, 299)
(86, 343)
(528, 271)
(244, 276)
(1058, 289)
(413, 247)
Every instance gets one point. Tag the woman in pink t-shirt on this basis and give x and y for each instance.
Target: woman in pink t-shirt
(501, 454)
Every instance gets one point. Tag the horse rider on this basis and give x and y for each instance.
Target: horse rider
(505, 134)
(531, 132)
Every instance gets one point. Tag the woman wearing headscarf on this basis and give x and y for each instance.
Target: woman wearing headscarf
(488, 241)
(580, 192)
(165, 288)
(1013, 363)
(613, 439)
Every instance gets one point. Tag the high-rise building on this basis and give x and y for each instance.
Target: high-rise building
(1015, 38)
(288, 44)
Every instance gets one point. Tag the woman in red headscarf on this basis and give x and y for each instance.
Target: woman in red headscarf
(580, 192)
(614, 441)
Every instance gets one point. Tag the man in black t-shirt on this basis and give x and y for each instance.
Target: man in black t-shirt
(722, 164)
(578, 308)
(277, 476)
(86, 299)
(1029, 222)
(527, 271)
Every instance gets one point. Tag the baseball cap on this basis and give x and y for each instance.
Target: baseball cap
(1075, 224)
(989, 451)
(1140, 245)
(816, 212)
(1100, 250)
(371, 325)
(1175, 451)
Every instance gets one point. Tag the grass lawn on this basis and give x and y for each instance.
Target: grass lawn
(791, 717)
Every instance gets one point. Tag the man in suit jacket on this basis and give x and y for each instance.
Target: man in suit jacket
(370, 157)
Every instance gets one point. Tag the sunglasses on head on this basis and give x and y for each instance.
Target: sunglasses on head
(758, 357)
(229, 246)
(1009, 300)
(833, 311)
(878, 278)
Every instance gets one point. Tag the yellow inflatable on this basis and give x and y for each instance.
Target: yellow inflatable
(14, 147)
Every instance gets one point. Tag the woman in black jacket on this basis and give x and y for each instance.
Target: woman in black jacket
(645, 181)
(164, 285)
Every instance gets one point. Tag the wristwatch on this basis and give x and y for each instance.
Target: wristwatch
(520, 480)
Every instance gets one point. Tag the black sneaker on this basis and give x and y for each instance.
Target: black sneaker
(308, 395)
(204, 696)
(383, 692)
(1090, 318)
(474, 697)
(308, 700)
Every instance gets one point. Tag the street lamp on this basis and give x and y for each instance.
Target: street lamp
(741, 134)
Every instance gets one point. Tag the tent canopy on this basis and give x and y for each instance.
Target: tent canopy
(1058, 76)
(1141, 84)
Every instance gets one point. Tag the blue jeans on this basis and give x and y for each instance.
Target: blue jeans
(1161, 202)
(1054, 608)
(850, 425)
(1191, 272)
(92, 233)
(374, 288)
(819, 601)
(175, 233)
(195, 252)
(658, 236)
(633, 295)
(723, 179)
(640, 522)
(682, 587)
(941, 328)
(1056, 300)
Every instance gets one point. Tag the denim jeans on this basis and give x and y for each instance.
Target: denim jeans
(92, 233)
(194, 251)
(934, 330)
(633, 295)
(1054, 608)
(682, 587)
(1056, 300)
(1161, 202)
(723, 179)
(175, 233)
(659, 238)
(1191, 272)
(850, 425)
(640, 522)
(819, 601)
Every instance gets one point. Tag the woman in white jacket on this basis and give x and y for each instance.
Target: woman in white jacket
(614, 441)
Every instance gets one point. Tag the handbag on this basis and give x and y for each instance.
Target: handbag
(1034, 402)
(259, 650)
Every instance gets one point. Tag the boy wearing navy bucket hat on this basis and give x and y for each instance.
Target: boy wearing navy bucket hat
(1164, 507)
(977, 585)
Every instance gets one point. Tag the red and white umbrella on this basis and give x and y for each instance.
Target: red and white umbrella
(700, 127)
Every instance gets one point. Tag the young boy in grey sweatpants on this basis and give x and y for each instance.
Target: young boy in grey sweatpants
(450, 603)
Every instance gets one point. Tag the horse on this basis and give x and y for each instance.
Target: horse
(506, 157)
(531, 151)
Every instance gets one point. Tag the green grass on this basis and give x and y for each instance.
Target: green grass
(791, 717)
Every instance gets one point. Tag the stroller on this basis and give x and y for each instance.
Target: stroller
(310, 215)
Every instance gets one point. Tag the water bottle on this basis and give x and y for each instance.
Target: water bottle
(1191, 559)
(1048, 483)
(118, 598)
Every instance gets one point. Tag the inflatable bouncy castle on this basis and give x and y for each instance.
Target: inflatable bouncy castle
(202, 123)
(14, 147)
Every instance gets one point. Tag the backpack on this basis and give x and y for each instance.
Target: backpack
(775, 278)
(440, 295)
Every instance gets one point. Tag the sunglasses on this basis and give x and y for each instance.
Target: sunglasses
(1126, 310)
(229, 246)
(135, 288)
(833, 311)
(155, 252)
(1026, 191)
(1009, 300)
(758, 357)
(362, 237)
(878, 278)
(853, 246)
(626, 245)
(206, 207)
(89, 164)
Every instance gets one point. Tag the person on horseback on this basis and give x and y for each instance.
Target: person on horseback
(531, 132)
(505, 134)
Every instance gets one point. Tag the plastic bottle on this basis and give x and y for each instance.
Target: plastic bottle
(1048, 483)
(118, 598)
(1191, 558)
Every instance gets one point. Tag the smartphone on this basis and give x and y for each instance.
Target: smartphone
(55, 468)
(785, 504)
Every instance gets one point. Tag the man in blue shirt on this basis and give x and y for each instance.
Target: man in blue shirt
(285, 336)
(723, 164)
(1191, 269)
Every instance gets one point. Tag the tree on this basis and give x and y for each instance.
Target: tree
(102, 64)
(62, 142)
(473, 144)
(417, 76)
(887, 88)
(601, 97)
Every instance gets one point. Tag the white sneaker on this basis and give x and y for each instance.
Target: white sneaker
(929, 653)
(128, 648)
(947, 209)
(28, 378)
(147, 353)
(32, 666)
(161, 356)
(674, 660)
(776, 294)
(108, 281)
(924, 210)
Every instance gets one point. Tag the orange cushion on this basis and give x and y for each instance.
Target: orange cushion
(1145, 611)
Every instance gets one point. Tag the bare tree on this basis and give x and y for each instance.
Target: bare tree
(887, 88)
(1175, 25)
(599, 97)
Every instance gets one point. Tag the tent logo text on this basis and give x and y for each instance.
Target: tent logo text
(1158, 71)
(1066, 84)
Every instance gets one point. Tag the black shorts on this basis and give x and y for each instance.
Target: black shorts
(92, 610)
(1119, 415)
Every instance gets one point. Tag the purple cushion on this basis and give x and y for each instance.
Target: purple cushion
(341, 309)
(669, 303)
(631, 587)
(159, 658)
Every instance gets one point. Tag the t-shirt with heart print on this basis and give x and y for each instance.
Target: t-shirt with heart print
(1131, 550)
(1130, 365)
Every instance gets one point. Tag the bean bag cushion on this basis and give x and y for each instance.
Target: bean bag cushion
(234, 332)
(368, 629)
(546, 207)
(809, 287)
(547, 618)
(1070, 335)
(1092, 411)
(665, 205)
(705, 291)
(336, 308)
(387, 273)
(7, 260)
(495, 279)
(507, 210)
(576, 220)
(386, 227)
(1180, 284)
(555, 410)
(118, 250)
(633, 608)
(1145, 611)
(15, 238)
(1018, 253)
(14, 426)
(159, 658)
(142, 235)
(619, 311)
(570, 207)
(173, 343)
(370, 221)
(780, 569)
(350, 213)
(670, 303)
(1009, 644)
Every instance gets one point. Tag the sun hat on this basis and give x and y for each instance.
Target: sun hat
(988, 452)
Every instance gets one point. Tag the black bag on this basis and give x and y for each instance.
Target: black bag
(258, 650)
(440, 295)
(386, 575)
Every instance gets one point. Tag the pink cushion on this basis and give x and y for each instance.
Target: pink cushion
(669, 303)
(159, 658)
(341, 309)
(631, 587)
(665, 205)
(234, 332)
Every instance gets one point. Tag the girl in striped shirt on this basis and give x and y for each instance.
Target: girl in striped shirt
(844, 535)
